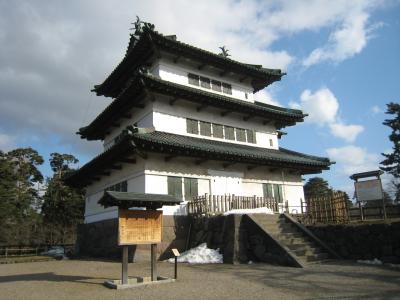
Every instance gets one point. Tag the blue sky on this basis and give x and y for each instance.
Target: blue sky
(341, 59)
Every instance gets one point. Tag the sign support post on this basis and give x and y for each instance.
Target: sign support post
(153, 262)
(124, 264)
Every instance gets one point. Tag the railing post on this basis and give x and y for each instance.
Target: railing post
(301, 205)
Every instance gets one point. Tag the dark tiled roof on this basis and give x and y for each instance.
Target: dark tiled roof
(375, 173)
(179, 145)
(150, 42)
(129, 199)
(133, 95)
(225, 151)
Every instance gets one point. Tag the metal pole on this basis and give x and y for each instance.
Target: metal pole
(153, 262)
(124, 264)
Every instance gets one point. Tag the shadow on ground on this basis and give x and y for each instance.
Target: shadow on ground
(52, 277)
(336, 279)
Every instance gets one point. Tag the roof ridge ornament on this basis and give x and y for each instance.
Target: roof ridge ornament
(224, 52)
(140, 26)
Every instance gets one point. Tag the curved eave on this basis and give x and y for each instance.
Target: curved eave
(132, 96)
(129, 199)
(151, 42)
(178, 145)
(202, 149)
(95, 168)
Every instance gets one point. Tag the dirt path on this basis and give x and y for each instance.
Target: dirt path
(74, 279)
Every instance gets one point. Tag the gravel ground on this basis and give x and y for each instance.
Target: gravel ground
(83, 279)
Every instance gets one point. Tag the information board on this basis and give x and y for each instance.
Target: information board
(368, 190)
(139, 227)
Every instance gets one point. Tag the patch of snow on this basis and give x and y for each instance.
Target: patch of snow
(259, 210)
(200, 255)
(375, 261)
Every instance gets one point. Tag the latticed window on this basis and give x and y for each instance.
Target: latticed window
(193, 79)
(192, 126)
(216, 85)
(229, 133)
(191, 188)
(227, 88)
(278, 193)
(251, 136)
(218, 131)
(240, 135)
(119, 187)
(205, 82)
(267, 190)
(174, 186)
(205, 128)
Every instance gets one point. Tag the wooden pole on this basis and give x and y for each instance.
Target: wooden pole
(361, 211)
(176, 267)
(383, 199)
(124, 264)
(153, 262)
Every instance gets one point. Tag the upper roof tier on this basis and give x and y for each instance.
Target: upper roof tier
(133, 95)
(149, 44)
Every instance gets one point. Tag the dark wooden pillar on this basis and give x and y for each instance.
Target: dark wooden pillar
(124, 264)
(153, 262)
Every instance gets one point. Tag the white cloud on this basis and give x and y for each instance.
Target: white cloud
(6, 142)
(349, 39)
(266, 97)
(353, 159)
(322, 107)
(376, 110)
(347, 132)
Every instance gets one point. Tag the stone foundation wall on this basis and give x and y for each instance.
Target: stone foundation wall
(364, 241)
(100, 239)
(239, 240)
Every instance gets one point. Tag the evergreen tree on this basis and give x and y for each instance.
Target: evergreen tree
(316, 187)
(19, 196)
(63, 206)
(391, 163)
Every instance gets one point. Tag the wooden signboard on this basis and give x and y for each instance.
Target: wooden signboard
(139, 227)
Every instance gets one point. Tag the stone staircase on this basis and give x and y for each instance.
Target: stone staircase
(300, 245)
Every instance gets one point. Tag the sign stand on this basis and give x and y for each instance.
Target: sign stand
(138, 227)
(368, 190)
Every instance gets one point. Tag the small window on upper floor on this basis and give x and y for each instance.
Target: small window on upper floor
(271, 142)
(229, 133)
(192, 126)
(216, 85)
(226, 88)
(205, 82)
(205, 128)
(240, 135)
(193, 79)
(251, 136)
(218, 131)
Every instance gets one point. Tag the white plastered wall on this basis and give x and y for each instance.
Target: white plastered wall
(178, 73)
(150, 176)
(172, 119)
